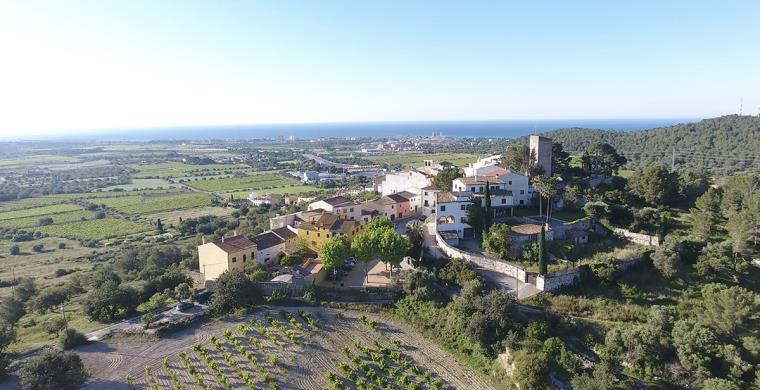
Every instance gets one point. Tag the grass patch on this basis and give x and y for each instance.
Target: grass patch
(151, 204)
(254, 182)
(142, 184)
(177, 169)
(67, 217)
(39, 211)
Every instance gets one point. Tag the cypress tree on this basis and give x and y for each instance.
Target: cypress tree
(542, 252)
(487, 210)
(160, 226)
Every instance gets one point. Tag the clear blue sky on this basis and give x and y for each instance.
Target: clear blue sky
(104, 64)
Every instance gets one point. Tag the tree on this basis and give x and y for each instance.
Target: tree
(415, 231)
(54, 325)
(696, 346)
(692, 183)
(391, 247)
(24, 289)
(159, 226)
(475, 216)
(727, 309)
(603, 159)
(667, 257)
(44, 221)
(50, 298)
(489, 318)
(421, 285)
(655, 184)
(442, 181)
(487, 209)
(639, 346)
(719, 384)
(7, 337)
(234, 290)
(183, 291)
(53, 370)
(560, 159)
(11, 310)
(71, 338)
(38, 248)
(15, 250)
(547, 188)
(596, 210)
(334, 252)
(257, 271)
(496, 241)
(717, 260)
(706, 214)
(378, 224)
(364, 248)
(542, 252)
(602, 378)
(531, 369)
(518, 158)
(291, 260)
(110, 301)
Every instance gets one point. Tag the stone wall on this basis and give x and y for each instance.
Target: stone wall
(556, 280)
(638, 238)
(268, 288)
(482, 261)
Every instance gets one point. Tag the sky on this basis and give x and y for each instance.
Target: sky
(79, 65)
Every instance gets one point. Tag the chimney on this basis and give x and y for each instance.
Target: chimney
(203, 239)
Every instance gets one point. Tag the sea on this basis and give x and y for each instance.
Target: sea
(458, 129)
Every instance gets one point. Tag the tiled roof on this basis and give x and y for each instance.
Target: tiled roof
(443, 197)
(284, 233)
(235, 244)
(397, 198)
(407, 194)
(480, 180)
(429, 188)
(267, 240)
(337, 201)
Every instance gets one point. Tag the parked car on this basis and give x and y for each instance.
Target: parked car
(347, 266)
(184, 305)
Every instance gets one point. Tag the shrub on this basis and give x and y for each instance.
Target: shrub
(61, 272)
(38, 248)
(15, 250)
(61, 245)
(71, 338)
(53, 370)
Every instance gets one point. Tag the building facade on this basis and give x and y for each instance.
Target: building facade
(224, 254)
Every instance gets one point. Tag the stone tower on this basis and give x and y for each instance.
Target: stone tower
(541, 153)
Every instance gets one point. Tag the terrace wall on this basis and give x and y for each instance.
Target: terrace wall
(638, 238)
(482, 261)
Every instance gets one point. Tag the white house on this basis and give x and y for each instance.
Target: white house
(429, 200)
(483, 166)
(392, 183)
(476, 184)
(451, 214)
(522, 192)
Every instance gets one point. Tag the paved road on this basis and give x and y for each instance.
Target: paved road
(323, 161)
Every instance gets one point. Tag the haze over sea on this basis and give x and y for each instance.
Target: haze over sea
(484, 129)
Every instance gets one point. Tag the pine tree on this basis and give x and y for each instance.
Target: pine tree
(487, 210)
(542, 252)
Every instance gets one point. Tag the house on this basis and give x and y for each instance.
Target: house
(392, 183)
(483, 166)
(428, 200)
(224, 254)
(393, 206)
(272, 244)
(451, 214)
(319, 229)
(522, 191)
(310, 177)
(383, 207)
(270, 199)
(527, 233)
(403, 200)
(339, 205)
(432, 168)
(502, 200)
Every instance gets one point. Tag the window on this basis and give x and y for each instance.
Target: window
(425, 193)
(351, 209)
(426, 203)
(522, 192)
(244, 258)
(463, 207)
(443, 207)
(472, 189)
(481, 188)
(503, 200)
(234, 259)
(318, 234)
(522, 201)
(442, 221)
(252, 255)
(463, 219)
(450, 219)
(510, 182)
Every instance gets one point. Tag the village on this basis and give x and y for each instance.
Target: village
(291, 249)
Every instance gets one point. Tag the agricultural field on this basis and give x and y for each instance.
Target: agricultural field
(38, 211)
(96, 229)
(172, 217)
(59, 218)
(41, 266)
(415, 160)
(178, 169)
(253, 182)
(144, 204)
(291, 190)
(301, 348)
(141, 184)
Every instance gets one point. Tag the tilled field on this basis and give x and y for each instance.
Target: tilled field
(285, 348)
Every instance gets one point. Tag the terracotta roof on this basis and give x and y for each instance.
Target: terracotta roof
(443, 197)
(337, 201)
(267, 240)
(480, 180)
(235, 244)
(429, 188)
(397, 198)
(407, 194)
(527, 229)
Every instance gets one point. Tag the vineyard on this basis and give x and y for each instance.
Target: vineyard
(254, 182)
(141, 204)
(95, 229)
(304, 348)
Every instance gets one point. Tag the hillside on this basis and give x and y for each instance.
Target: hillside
(730, 142)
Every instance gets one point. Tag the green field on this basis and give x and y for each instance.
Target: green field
(139, 204)
(142, 184)
(416, 160)
(39, 211)
(36, 160)
(282, 190)
(96, 229)
(177, 169)
(253, 182)
(28, 222)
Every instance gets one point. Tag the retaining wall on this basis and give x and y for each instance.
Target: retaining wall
(482, 261)
(638, 238)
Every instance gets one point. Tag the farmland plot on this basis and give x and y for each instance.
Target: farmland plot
(301, 348)
(258, 181)
(39, 211)
(66, 217)
(150, 204)
(96, 229)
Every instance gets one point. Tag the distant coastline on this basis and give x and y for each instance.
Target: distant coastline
(458, 129)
